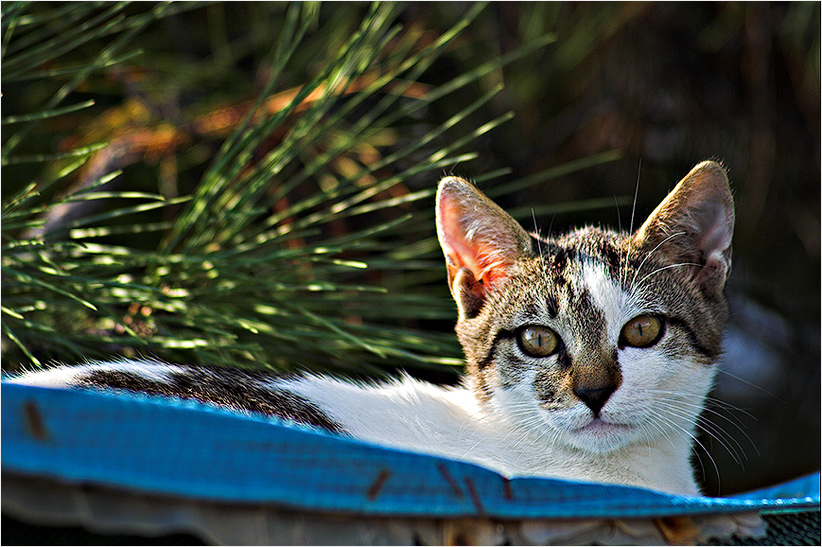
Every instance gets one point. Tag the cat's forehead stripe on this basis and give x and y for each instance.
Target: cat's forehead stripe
(610, 255)
(533, 312)
(594, 244)
(589, 317)
(552, 306)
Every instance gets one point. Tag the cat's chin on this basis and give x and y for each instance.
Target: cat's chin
(601, 436)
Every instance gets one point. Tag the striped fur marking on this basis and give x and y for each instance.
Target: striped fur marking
(234, 389)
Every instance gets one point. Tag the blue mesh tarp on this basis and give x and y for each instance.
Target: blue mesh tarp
(183, 448)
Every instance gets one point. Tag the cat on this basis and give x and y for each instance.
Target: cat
(589, 356)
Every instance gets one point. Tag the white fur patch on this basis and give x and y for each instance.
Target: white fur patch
(616, 305)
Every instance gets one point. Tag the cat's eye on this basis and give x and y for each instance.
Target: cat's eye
(642, 331)
(538, 341)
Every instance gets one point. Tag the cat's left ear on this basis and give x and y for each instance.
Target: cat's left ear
(693, 226)
(480, 242)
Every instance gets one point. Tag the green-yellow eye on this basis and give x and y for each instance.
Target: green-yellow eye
(538, 341)
(642, 331)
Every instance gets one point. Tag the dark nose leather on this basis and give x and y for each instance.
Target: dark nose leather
(594, 398)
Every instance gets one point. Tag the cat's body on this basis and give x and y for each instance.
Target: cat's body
(589, 356)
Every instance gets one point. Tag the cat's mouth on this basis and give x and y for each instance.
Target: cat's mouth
(599, 428)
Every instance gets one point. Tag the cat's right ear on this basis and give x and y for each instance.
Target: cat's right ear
(693, 226)
(480, 242)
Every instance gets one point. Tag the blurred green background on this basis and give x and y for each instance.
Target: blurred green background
(559, 108)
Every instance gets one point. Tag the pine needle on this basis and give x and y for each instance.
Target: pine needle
(297, 236)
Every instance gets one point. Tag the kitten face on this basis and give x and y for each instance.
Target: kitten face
(595, 340)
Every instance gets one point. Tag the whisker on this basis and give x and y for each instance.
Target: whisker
(624, 272)
(727, 441)
(709, 401)
(647, 256)
(539, 246)
(667, 268)
(728, 406)
(759, 388)
(698, 443)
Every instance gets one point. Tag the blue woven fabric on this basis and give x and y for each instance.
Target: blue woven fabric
(187, 449)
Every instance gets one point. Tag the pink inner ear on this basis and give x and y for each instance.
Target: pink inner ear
(469, 248)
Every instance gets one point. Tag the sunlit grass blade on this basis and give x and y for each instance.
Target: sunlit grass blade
(47, 113)
(42, 158)
(121, 212)
(554, 172)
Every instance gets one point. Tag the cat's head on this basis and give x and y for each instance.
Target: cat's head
(596, 339)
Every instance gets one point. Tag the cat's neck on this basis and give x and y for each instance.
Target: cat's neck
(661, 464)
(664, 464)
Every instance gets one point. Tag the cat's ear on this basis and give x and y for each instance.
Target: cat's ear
(692, 227)
(480, 242)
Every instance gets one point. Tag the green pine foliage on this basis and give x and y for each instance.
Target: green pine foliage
(301, 236)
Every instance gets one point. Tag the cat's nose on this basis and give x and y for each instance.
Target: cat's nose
(595, 398)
